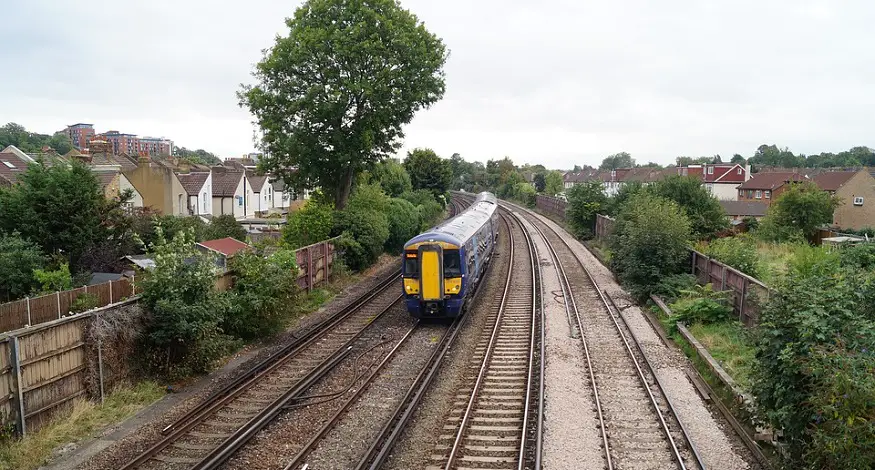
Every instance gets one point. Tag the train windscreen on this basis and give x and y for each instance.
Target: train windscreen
(452, 263)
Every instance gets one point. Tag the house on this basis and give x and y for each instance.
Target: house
(224, 248)
(856, 190)
(158, 186)
(262, 193)
(767, 187)
(739, 210)
(287, 199)
(198, 186)
(12, 164)
(229, 192)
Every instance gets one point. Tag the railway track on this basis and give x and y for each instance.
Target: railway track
(210, 433)
(489, 425)
(638, 424)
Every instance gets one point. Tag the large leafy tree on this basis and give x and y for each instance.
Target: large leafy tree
(393, 178)
(428, 171)
(703, 210)
(17, 135)
(554, 183)
(18, 260)
(333, 95)
(617, 160)
(802, 209)
(584, 202)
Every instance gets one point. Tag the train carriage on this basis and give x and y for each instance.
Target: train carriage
(441, 267)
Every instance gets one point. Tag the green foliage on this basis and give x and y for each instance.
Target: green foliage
(311, 224)
(224, 226)
(199, 156)
(814, 377)
(17, 135)
(54, 280)
(751, 223)
(810, 260)
(183, 334)
(803, 208)
(430, 212)
(392, 177)
(584, 202)
(364, 234)
(646, 247)
(263, 293)
(739, 252)
(525, 193)
(553, 183)
(404, 224)
(702, 209)
(369, 197)
(626, 191)
(84, 302)
(61, 208)
(672, 287)
(18, 260)
(333, 95)
(617, 160)
(702, 304)
(428, 171)
(539, 180)
(859, 257)
(470, 176)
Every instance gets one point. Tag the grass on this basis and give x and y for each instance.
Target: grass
(730, 345)
(86, 419)
(602, 249)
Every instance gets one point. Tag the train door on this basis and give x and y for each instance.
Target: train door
(431, 273)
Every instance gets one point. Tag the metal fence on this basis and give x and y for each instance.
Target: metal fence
(35, 310)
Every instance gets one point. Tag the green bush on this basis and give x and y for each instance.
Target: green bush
(404, 224)
(584, 202)
(262, 296)
(172, 225)
(18, 260)
(739, 252)
(706, 216)
(368, 197)
(525, 193)
(419, 197)
(859, 257)
(430, 213)
(309, 225)
(55, 280)
(365, 233)
(224, 226)
(670, 288)
(802, 209)
(392, 177)
(649, 243)
(702, 304)
(84, 302)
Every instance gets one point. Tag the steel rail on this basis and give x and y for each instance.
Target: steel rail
(609, 307)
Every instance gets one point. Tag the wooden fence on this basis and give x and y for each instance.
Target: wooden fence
(552, 206)
(604, 225)
(44, 369)
(36, 310)
(315, 263)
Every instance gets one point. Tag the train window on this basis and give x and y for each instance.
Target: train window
(411, 266)
(452, 264)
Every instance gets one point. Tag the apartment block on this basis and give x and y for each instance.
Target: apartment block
(80, 134)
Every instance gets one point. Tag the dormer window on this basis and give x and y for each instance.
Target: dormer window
(710, 170)
(9, 164)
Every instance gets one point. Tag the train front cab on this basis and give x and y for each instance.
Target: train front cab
(433, 280)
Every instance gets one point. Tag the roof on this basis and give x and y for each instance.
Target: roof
(225, 182)
(744, 208)
(278, 184)
(100, 278)
(142, 261)
(193, 182)
(771, 181)
(16, 151)
(833, 180)
(257, 181)
(11, 164)
(227, 246)
(105, 178)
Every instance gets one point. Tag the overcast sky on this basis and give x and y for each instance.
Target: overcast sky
(553, 82)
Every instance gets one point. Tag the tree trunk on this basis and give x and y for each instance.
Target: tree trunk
(344, 187)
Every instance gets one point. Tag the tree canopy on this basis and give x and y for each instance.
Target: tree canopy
(428, 171)
(332, 96)
(705, 214)
(554, 183)
(199, 156)
(617, 160)
(393, 178)
(801, 209)
(17, 135)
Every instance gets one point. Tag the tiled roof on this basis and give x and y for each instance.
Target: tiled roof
(770, 181)
(193, 182)
(257, 181)
(226, 246)
(643, 175)
(11, 164)
(225, 182)
(833, 180)
(105, 178)
(744, 208)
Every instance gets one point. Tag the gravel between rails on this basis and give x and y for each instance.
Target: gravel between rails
(140, 439)
(572, 439)
(416, 444)
(277, 444)
(343, 446)
(715, 440)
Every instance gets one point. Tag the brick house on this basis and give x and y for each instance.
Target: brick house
(856, 189)
(766, 187)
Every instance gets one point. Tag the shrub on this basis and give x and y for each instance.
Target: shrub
(84, 302)
(672, 287)
(802, 208)
(173, 224)
(263, 293)
(365, 233)
(525, 193)
(649, 242)
(224, 226)
(309, 225)
(368, 197)
(584, 202)
(706, 216)
(627, 191)
(392, 177)
(859, 257)
(430, 212)
(57, 280)
(404, 224)
(419, 197)
(739, 252)
(182, 334)
(18, 260)
(702, 304)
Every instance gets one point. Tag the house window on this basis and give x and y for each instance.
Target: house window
(768, 194)
(710, 170)
(740, 193)
(739, 171)
(858, 201)
(205, 203)
(759, 194)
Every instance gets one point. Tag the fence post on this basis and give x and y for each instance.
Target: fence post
(99, 359)
(19, 389)
(310, 274)
(741, 303)
(110, 293)
(133, 286)
(27, 299)
(694, 263)
(58, 297)
(723, 280)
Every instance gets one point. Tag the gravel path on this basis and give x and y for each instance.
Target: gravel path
(416, 444)
(572, 439)
(718, 446)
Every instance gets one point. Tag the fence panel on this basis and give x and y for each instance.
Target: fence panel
(43, 309)
(7, 386)
(552, 206)
(747, 295)
(13, 315)
(102, 292)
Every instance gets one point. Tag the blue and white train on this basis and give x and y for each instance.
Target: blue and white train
(442, 266)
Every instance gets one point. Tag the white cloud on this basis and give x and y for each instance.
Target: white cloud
(557, 82)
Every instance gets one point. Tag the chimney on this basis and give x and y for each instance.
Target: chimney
(184, 166)
(746, 170)
(144, 159)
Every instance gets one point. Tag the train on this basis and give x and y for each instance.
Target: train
(441, 268)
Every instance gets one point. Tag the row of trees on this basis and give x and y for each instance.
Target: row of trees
(32, 142)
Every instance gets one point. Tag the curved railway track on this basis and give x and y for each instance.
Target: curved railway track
(638, 424)
(209, 434)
